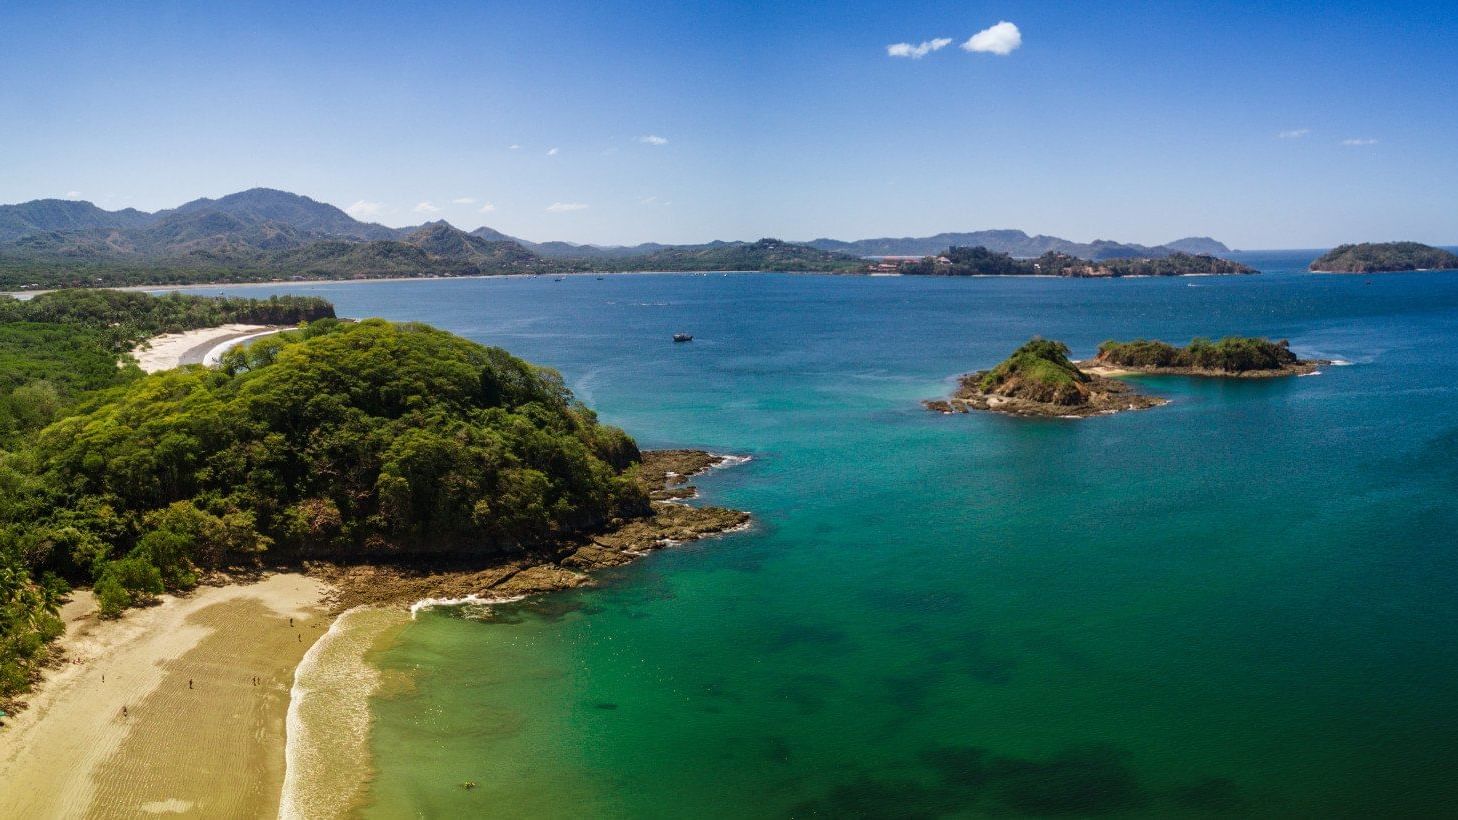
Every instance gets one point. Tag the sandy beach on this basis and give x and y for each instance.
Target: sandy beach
(194, 346)
(205, 682)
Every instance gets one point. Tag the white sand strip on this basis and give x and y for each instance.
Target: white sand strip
(167, 351)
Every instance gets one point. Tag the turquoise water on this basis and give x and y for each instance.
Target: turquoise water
(1241, 603)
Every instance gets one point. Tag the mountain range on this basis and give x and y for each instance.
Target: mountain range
(262, 232)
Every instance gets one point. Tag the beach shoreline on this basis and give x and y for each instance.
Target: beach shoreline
(200, 346)
(251, 698)
(175, 708)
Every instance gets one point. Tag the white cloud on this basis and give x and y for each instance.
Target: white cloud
(551, 152)
(564, 207)
(365, 211)
(653, 139)
(464, 200)
(1293, 134)
(515, 147)
(917, 52)
(1359, 142)
(73, 194)
(426, 207)
(1002, 38)
(486, 207)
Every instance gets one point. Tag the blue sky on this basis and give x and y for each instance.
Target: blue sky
(1272, 125)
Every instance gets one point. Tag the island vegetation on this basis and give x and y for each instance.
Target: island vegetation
(1380, 257)
(1242, 356)
(979, 261)
(349, 442)
(1039, 379)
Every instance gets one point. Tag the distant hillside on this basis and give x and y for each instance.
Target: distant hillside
(1198, 245)
(1377, 257)
(764, 255)
(1016, 243)
(980, 261)
(44, 215)
(260, 205)
(264, 233)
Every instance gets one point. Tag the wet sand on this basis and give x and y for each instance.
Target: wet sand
(215, 748)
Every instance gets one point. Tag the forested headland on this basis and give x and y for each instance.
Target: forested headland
(346, 441)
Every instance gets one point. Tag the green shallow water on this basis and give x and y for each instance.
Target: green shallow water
(1242, 603)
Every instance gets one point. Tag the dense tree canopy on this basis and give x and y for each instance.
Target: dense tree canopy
(1374, 257)
(1232, 354)
(366, 440)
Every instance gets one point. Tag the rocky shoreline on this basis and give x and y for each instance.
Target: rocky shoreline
(564, 566)
(1303, 367)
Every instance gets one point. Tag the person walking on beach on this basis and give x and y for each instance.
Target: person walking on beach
(189, 683)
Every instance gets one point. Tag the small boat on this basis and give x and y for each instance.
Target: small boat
(561, 279)
(683, 337)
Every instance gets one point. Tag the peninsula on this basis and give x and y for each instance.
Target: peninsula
(342, 463)
(1384, 257)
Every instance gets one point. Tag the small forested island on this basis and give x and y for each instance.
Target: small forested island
(396, 460)
(979, 261)
(1038, 379)
(1382, 257)
(1232, 356)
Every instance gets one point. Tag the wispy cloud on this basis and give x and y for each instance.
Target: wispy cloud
(653, 139)
(514, 147)
(426, 207)
(464, 200)
(918, 51)
(365, 211)
(551, 152)
(1003, 39)
(1359, 142)
(564, 207)
(73, 194)
(1293, 134)
(486, 207)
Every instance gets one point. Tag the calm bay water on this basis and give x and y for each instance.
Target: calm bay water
(1244, 602)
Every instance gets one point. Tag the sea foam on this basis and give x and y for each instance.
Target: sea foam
(478, 600)
(326, 751)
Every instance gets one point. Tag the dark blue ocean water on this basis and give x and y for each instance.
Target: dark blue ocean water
(1242, 603)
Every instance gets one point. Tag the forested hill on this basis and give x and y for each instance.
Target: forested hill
(980, 261)
(764, 255)
(1019, 244)
(349, 441)
(62, 354)
(1378, 257)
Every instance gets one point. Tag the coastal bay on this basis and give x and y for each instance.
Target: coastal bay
(1080, 601)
